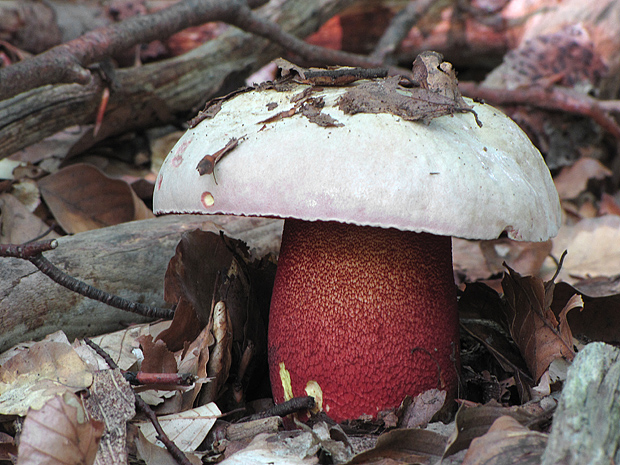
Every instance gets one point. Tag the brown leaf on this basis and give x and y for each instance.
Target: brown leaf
(279, 116)
(608, 205)
(404, 446)
(8, 448)
(482, 259)
(220, 356)
(567, 57)
(311, 109)
(388, 96)
(185, 326)
(32, 377)
(593, 246)
(59, 434)
(532, 323)
(473, 422)
(506, 442)
(195, 360)
(422, 408)
(191, 276)
(599, 320)
(432, 73)
(573, 180)
(157, 356)
(81, 198)
(18, 225)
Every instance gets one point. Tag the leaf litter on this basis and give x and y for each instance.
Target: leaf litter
(542, 310)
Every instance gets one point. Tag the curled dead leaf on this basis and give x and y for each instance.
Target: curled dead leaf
(533, 325)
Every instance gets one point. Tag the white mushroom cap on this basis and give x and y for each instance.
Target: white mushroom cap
(448, 177)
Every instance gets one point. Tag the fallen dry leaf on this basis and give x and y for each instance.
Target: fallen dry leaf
(598, 321)
(34, 376)
(192, 277)
(8, 447)
(533, 326)
(573, 180)
(157, 357)
(220, 357)
(388, 96)
(122, 346)
(195, 359)
(404, 446)
(60, 433)
(186, 429)
(473, 422)
(422, 408)
(593, 246)
(82, 198)
(18, 224)
(476, 260)
(155, 455)
(608, 205)
(506, 442)
(185, 325)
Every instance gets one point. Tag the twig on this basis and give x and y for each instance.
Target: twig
(247, 20)
(28, 250)
(399, 28)
(555, 98)
(176, 453)
(285, 408)
(33, 253)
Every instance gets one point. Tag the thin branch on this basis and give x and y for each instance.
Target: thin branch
(399, 28)
(554, 98)
(247, 20)
(32, 253)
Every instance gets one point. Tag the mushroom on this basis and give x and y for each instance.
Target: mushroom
(364, 308)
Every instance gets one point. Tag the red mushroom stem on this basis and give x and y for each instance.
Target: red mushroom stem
(362, 316)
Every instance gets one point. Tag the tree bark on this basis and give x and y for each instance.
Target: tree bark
(586, 426)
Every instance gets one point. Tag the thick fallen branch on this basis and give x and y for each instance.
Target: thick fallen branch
(156, 93)
(553, 98)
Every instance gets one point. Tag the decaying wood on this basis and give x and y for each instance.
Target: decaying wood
(586, 425)
(129, 260)
(158, 93)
